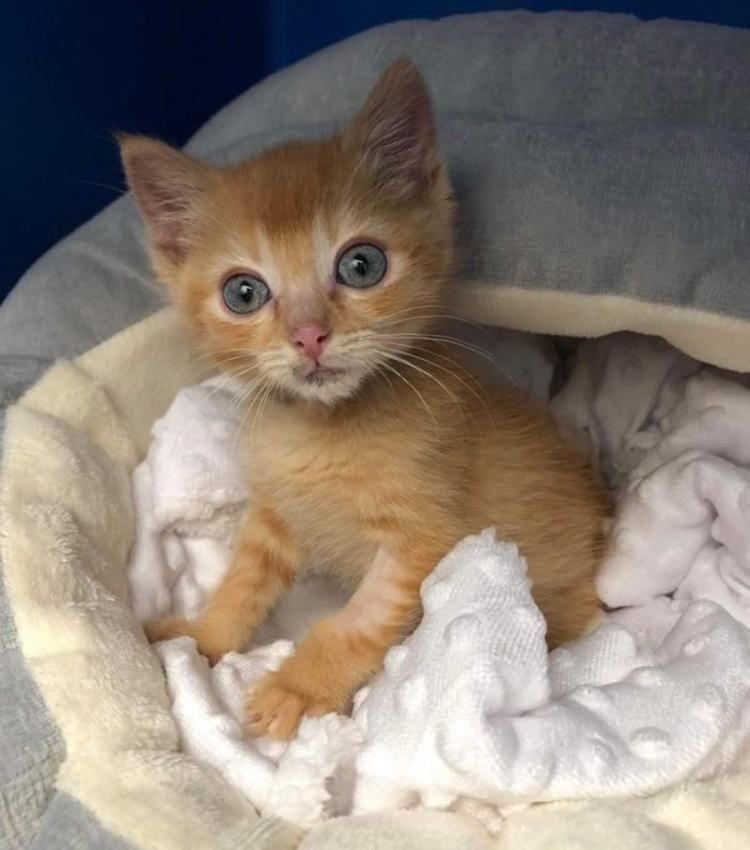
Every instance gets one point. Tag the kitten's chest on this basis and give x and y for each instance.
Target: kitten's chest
(326, 486)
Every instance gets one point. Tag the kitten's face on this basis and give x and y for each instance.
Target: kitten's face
(314, 266)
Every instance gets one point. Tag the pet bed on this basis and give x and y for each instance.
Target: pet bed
(602, 168)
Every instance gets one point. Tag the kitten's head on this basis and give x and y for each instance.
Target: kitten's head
(314, 265)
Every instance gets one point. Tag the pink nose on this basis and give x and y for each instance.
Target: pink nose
(311, 339)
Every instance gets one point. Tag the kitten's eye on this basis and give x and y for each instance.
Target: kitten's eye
(244, 293)
(361, 266)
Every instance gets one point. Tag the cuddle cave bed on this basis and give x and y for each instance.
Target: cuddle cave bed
(602, 167)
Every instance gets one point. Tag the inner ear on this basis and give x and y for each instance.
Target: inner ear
(167, 185)
(395, 131)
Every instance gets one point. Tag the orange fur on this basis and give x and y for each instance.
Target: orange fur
(377, 469)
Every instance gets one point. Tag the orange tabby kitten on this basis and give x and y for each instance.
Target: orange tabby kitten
(317, 272)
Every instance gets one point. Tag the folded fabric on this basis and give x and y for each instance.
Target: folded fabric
(303, 781)
(188, 495)
(683, 524)
(471, 712)
(617, 386)
(471, 706)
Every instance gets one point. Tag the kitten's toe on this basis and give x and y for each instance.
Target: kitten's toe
(169, 628)
(275, 707)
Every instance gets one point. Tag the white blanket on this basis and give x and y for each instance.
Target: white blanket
(471, 709)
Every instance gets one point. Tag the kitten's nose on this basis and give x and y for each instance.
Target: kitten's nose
(311, 339)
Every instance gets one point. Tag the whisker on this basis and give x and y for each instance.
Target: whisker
(422, 371)
(118, 190)
(429, 316)
(409, 384)
(240, 398)
(226, 381)
(424, 305)
(261, 409)
(254, 402)
(457, 377)
(379, 371)
(223, 383)
(459, 344)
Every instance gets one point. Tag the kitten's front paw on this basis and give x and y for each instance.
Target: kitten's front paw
(277, 704)
(167, 628)
(173, 627)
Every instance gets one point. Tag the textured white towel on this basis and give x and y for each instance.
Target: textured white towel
(304, 781)
(683, 521)
(471, 707)
(188, 495)
(618, 386)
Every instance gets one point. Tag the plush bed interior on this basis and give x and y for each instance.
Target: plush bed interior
(658, 695)
(636, 706)
(640, 731)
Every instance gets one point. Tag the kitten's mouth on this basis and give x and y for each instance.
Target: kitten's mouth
(320, 375)
(325, 384)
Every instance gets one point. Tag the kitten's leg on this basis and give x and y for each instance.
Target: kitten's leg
(264, 566)
(343, 651)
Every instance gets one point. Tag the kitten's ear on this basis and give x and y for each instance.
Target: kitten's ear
(395, 131)
(167, 185)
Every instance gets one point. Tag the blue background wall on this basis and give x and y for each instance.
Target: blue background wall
(72, 72)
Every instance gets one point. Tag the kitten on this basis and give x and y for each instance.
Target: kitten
(319, 272)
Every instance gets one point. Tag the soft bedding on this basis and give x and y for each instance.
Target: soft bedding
(471, 710)
(601, 170)
(123, 776)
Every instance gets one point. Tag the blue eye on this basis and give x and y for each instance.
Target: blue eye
(361, 266)
(244, 293)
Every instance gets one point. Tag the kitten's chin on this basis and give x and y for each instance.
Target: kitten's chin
(326, 386)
